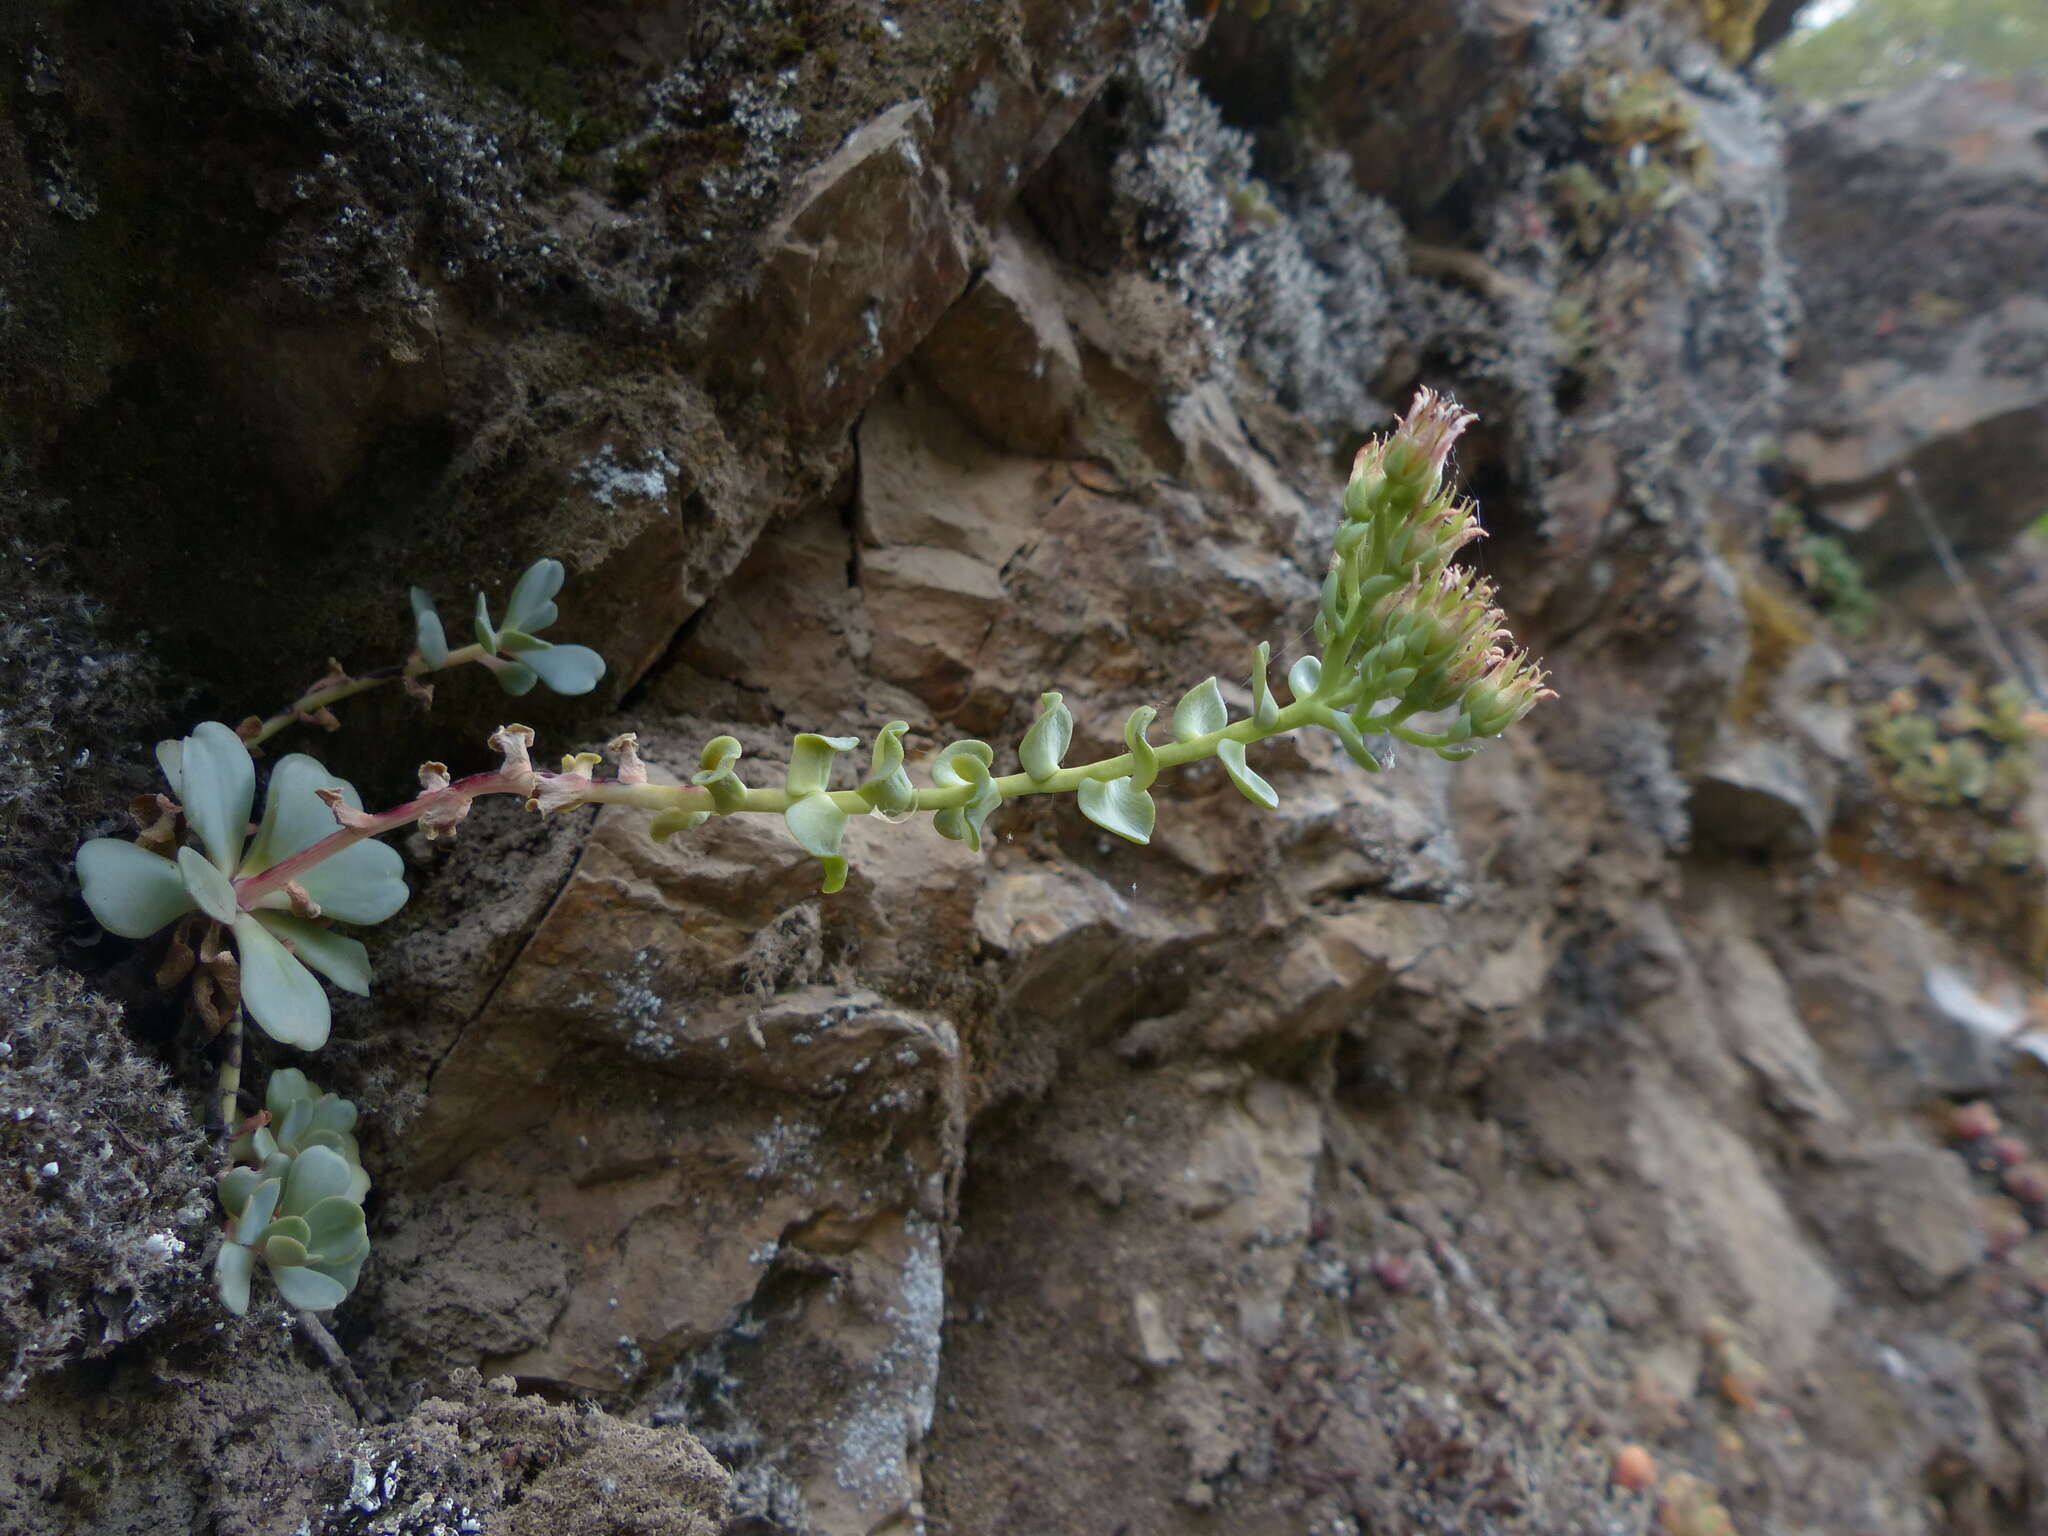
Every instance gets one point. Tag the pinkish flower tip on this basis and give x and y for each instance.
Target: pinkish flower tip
(1432, 425)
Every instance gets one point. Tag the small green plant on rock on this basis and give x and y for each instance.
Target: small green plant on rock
(1826, 569)
(1642, 151)
(294, 1199)
(1401, 634)
(1832, 574)
(1973, 753)
(258, 895)
(252, 909)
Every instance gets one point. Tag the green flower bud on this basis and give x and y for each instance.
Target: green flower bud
(1507, 689)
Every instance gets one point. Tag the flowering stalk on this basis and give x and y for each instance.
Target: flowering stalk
(1403, 632)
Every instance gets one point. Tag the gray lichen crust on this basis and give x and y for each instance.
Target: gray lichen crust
(103, 1216)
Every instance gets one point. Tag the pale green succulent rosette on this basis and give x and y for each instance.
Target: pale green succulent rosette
(135, 892)
(295, 1200)
(519, 658)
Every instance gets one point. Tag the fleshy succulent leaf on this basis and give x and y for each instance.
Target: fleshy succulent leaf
(568, 669)
(219, 784)
(231, 1271)
(298, 1119)
(318, 1173)
(964, 823)
(257, 1210)
(1249, 784)
(1265, 709)
(515, 678)
(1305, 676)
(348, 1253)
(667, 824)
(170, 756)
(236, 1185)
(975, 814)
(308, 1289)
(335, 1226)
(1145, 761)
(208, 887)
(132, 892)
(810, 761)
(291, 1228)
(945, 771)
(1118, 806)
(287, 1086)
(1373, 755)
(279, 993)
(717, 760)
(1046, 743)
(364, 883)
(343, 961)
(515, 642)
(719, 773)
(817, 825)
(361, 884)
(1201, 711)
(281, 1248)
(294, 816)
(531, 606)
(887, 786)
(486, 636)
(428, 633)
(345, 1275)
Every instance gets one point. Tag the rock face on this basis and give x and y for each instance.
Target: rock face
(1384, 1162)
(1934, 359)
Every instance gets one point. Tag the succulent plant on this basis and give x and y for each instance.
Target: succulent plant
(564, 668)
(1975, 752)
(295, 1200)
(1836, 580)
(513, 651)
(2014, 719)
(264, 891)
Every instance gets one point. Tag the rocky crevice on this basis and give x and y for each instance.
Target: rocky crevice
(1385, 1162)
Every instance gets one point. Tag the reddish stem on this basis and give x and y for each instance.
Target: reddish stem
(251, 889)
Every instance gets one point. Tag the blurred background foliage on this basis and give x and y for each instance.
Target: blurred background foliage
(1870, 47)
